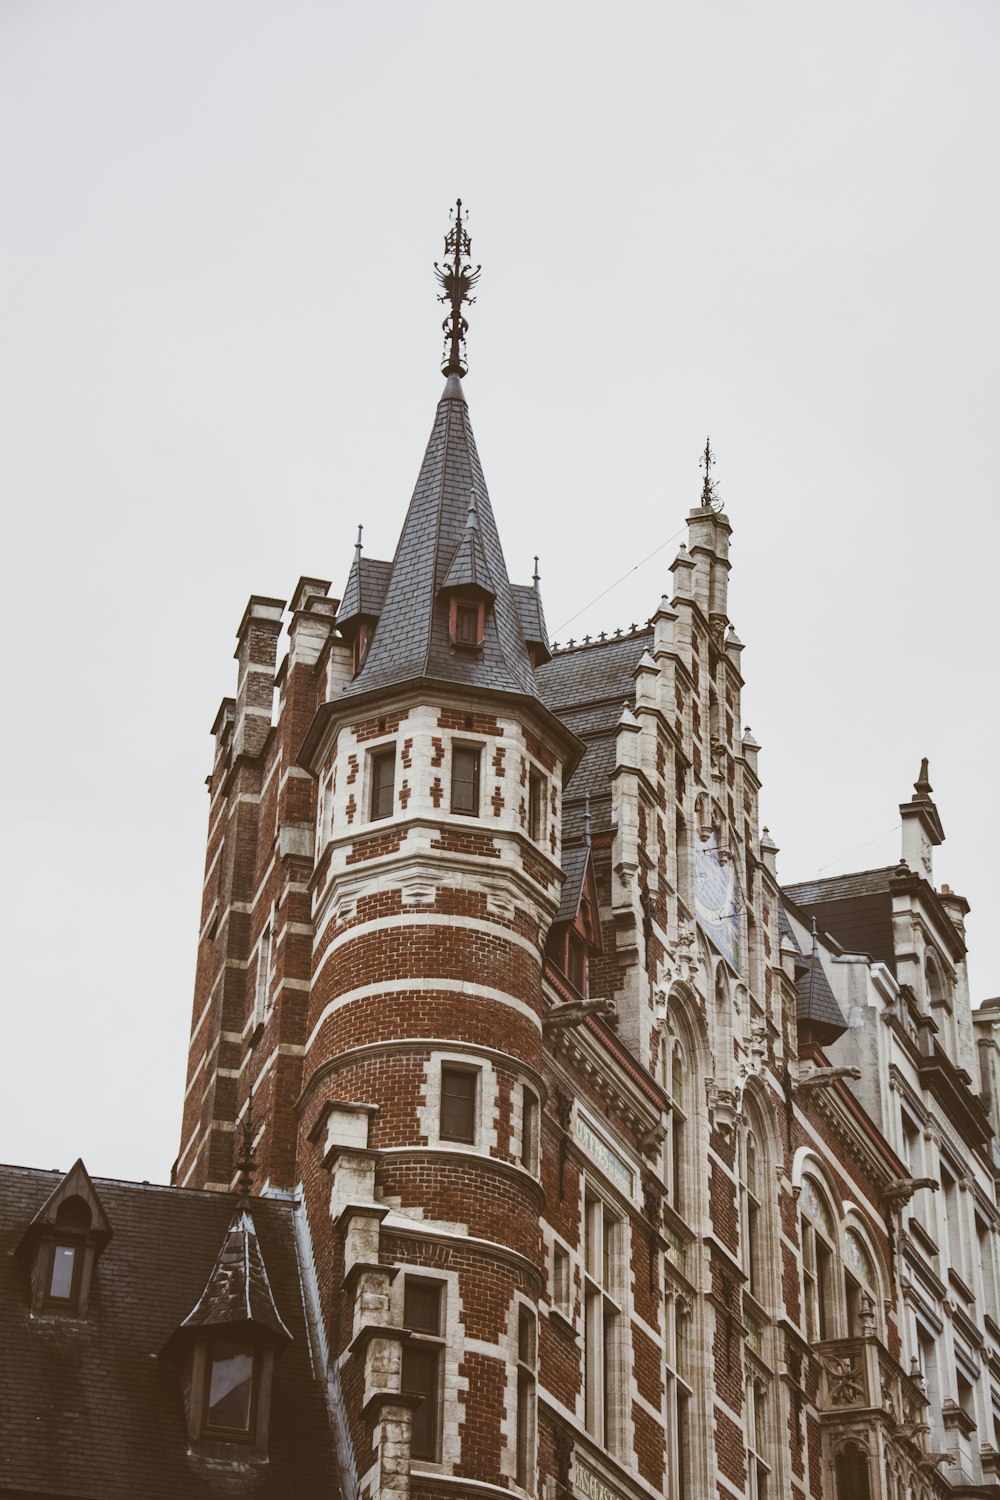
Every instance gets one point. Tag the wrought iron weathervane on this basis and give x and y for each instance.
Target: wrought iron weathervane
(457, 278)
(710, 496)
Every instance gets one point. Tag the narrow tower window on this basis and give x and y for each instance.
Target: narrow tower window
(421, 1373)
(465, 780)
(526, 1359)
(536, 805)
(458, 1104)
(383, 781)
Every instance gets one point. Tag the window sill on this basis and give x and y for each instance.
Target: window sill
(562, 1322)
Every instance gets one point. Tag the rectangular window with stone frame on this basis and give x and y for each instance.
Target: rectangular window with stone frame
(423, 1352)
(459, 1103)
(604, 1254)
(382, 783)
(678, 1392)
(527, 1362)
(466, 761)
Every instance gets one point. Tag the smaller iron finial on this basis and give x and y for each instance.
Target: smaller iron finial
(536, 577)
(457, 278)
(246, 1165)
(472, 520)
(357, 544)
(710, 498)
(586, 821)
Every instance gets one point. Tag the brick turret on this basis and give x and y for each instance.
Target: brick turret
(437, 877)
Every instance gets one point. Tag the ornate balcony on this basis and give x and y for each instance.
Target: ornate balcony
(859, 1377)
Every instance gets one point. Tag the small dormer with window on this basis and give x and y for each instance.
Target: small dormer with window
(62, 1244)
(224, 1351)
(361, 605)
(468, 587)
(575, 936)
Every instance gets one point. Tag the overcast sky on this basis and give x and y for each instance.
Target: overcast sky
(219, 348)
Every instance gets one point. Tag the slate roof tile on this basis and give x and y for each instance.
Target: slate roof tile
(87, 1408)
(411, 640)
(364, 591)
(587, 687)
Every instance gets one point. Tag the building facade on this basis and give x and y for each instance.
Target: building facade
(618, 1172)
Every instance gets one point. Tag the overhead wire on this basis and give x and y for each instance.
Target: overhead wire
(642, 561)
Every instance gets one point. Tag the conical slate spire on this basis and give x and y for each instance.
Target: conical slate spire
(238, 1291)
(411, 641)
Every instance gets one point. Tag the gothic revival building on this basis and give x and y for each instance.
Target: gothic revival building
(619, 1175)
(611, 1170)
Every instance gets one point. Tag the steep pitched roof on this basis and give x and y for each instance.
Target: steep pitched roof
(76, 1184)
(86, 1408)
(469, 568)
(238, 1290)
(856, 909)
(586, 687)
(364, 591)
(815, 1002)
(532, 616)
(411, 640)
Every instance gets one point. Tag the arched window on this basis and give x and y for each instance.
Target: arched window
(819, 1261)
(851, 1468)
(678, 1126)
(861, 1286)
(750, 1189)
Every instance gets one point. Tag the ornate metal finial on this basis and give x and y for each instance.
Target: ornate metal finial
(710, 498)
(587, 837)
(457, 278)
(246, 1166)
(536, 577)
(357, 544)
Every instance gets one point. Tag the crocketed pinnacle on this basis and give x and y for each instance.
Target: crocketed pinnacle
(439, 550)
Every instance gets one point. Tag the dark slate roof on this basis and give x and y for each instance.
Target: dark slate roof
(411, 640)
(469, 568)
(587, 687)
(855, 909)
(88, 1409)
(364, 591)
(529, 607)
(574, 863)
(815, 1001)
(238, 1290)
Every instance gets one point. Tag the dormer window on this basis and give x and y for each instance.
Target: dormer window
(467, 622)
(359, 647)
(62, 1243)
(64, 1276)
(230, 1391)
(224, 1351)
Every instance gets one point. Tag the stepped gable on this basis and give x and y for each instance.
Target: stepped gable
(855, 909)
(586, 687)
(86, 1407)
(411, 640)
